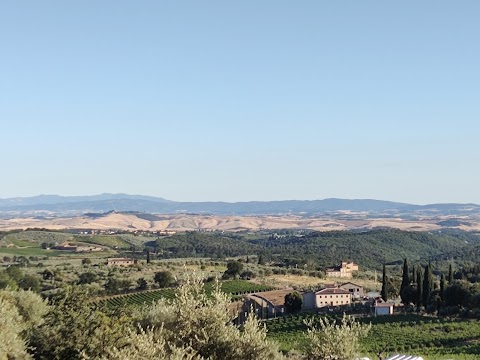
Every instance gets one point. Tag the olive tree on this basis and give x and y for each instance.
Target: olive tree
(164, 279)
(76, 328)
(335, 341)
(20, 313)
(200, 325)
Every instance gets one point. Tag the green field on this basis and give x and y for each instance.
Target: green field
(30, 251)
(432, 338)
(111, 241)
(136, 240)
(23, 243)
(231, 287)
(37, 237)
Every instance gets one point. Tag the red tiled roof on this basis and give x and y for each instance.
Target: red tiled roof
(351, 284)
(330, 291)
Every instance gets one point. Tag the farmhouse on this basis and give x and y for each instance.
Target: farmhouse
(344, 270)
(120, 262)
(267, 304)
(77, 248)
(326, 297)
(355, 290)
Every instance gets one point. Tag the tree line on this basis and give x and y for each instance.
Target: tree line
(422, 288)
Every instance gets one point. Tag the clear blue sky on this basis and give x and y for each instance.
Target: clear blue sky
(241, 100)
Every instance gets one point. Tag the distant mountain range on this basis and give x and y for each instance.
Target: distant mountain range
(139, 203)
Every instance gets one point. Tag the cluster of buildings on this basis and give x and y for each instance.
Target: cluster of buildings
(332, 296)
(271, 304)
(120, 262)
(344, 270)
(66, 246)
(165, 232)
(339, 295)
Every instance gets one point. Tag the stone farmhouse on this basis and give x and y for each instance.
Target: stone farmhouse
(344, 270)
(121, 262)
(77, 248)
(355, 290)
(328, 297)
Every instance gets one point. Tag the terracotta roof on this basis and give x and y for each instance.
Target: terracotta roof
(330, 291)
(351, 283)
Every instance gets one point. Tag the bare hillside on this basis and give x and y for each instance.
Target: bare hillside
(132, 222)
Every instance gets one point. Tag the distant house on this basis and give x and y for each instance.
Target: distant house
(77, 248)
(344, 270)
(326, 298)
(121, 262)
(88, 248)
(355, 290)
(382, 308)
(66, 247)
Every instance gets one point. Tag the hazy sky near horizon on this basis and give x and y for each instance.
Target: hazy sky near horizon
(245, 100)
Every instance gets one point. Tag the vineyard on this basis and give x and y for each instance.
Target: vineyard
(232, 287)
(433, 338)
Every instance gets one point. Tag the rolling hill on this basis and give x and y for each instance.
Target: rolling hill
(63, 205)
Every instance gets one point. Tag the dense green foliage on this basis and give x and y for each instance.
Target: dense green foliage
(164, 279)
(111, 241)
(293, 302)
(13, 277)
(325, 248)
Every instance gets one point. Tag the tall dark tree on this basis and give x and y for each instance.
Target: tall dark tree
(261, 260)
(148, 256)
(443, 285)
(384, 292)
(419, 287)
(405, 280)
(427, 285)
(450, 275)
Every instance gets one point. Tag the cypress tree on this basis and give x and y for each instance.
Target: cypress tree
(431, 279)
(405, 276)
(384, 292)
(419, 287)
(442, 288)
(450, 275)
(405, 281)
(427, 280)
(148, 256)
